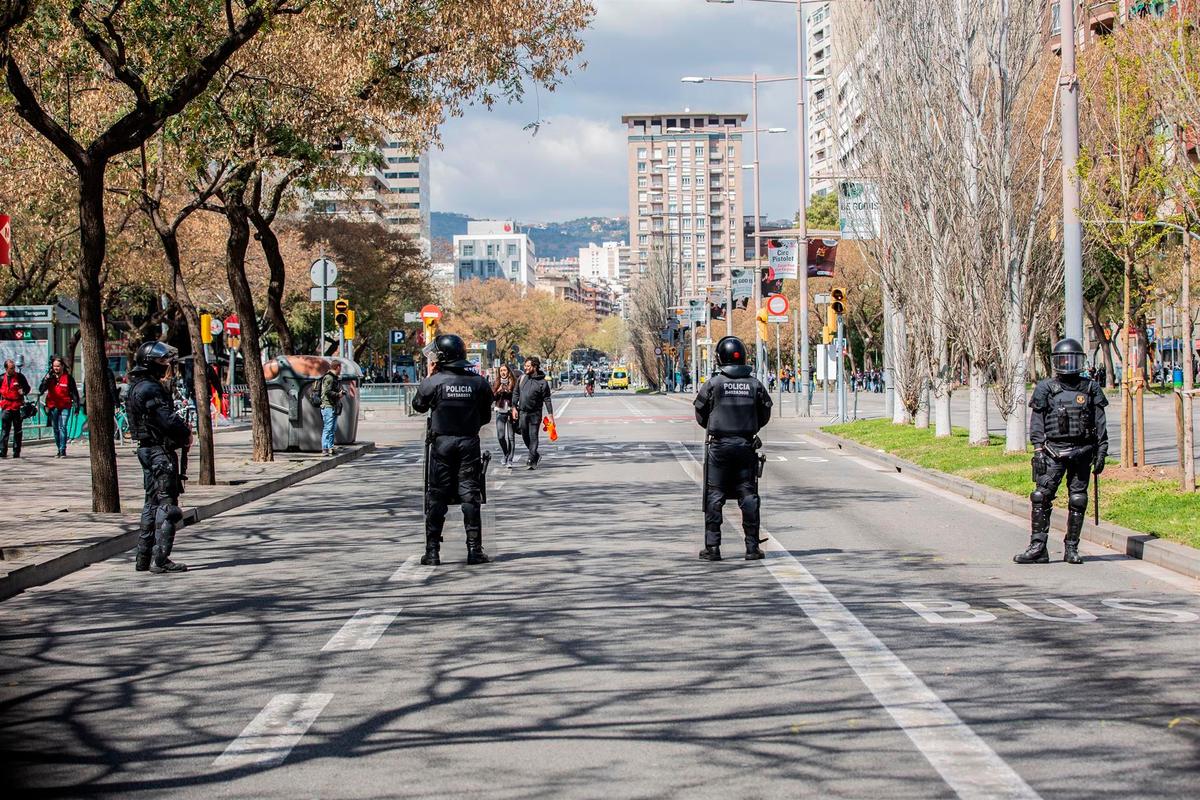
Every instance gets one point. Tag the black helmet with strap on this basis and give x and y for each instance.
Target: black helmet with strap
(155, 357)
(730, 353)
(451, 351)
(1067, 357)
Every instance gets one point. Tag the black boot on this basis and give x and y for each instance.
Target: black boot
(475, 554)
(753, 551)
(142, 563)
(432, 557)
(711, 553)
(161, 563)
(1071, 543)
(1036, 553)
(1071, 552)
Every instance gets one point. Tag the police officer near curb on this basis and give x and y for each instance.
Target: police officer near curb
(160, 434)
(460, 403)
(1070, 437)
(732, 406)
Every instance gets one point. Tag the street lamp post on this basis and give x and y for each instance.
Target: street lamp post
(1068, 83)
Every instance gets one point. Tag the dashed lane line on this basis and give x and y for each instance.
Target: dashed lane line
(270, 736)
(361, 631)
(968, 766)
(412, 571)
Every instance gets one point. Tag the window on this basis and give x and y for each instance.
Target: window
(1055, 19)
(468, 249)
(687, 223)
(672, 208)
(402, 160)
(687, 238)
(730, 151)
(642, 183)
(686, 181)
(641, 153)
(671, 151)
(512, 250)
(641, 166)
(672, 181)
(491, 249)
(699, 151)
(658, 153)
(672, 224)
(643, 225)
(643, 238)
(643, 197)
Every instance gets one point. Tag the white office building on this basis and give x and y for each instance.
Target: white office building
(494, 249)
(604, 262)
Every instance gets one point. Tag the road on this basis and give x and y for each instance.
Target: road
(887, 647)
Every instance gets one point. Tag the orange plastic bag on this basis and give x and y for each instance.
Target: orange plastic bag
(549, 426)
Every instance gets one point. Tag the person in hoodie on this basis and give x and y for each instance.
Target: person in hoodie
(732, 407)
(530, 397)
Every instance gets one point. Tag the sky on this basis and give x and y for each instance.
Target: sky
(636, 52)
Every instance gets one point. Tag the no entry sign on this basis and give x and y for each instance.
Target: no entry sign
(233, 326)
(777, 305)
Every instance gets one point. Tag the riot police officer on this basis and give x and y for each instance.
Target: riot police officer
(160, 434)
(732, 406)
(460, 403)
(1070, 437)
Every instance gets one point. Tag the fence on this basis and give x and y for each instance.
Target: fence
(382, 394)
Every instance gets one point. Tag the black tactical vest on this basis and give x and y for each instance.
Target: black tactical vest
(1070, 414)
(734, 403)
(455, 404)
(144, 398)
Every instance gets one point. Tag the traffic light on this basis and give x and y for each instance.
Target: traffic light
(838, 300)
(206, 328)
(829, 332)
(348, 331)
(764, 330)
(341, 312)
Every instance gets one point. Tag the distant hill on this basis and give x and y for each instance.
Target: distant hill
(550, 239)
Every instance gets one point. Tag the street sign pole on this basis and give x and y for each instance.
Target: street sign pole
(778, 363)
(324, 286)
(841, 372)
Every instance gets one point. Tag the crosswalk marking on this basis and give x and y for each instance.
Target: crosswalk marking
(412, 570)
(271, 735)
(361, 631)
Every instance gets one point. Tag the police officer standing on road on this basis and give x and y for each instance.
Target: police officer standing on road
(460, 403)
(160, 433)
(733, 406)
(1070, 437)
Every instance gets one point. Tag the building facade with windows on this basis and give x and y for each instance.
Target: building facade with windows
(393, 193)
(822, 108)
(494, 249)
(686, 194)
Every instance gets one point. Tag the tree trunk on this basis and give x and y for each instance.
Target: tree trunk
(204, 428)
(237, 215)
(978, 396)
(900, 410)
(889, 384)
(106, 492)
(1015, 434)
(270, 248)
(922, 419)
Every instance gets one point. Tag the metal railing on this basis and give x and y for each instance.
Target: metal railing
(400, 394)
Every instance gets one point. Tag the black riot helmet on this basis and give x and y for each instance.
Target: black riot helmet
(451, 352)
(155, 357)
(1067, 358)
(731, 357)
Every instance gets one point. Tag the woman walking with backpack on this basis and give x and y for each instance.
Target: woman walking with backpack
(506, 430)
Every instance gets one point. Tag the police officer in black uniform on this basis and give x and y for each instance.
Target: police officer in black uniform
(1070, 437)
(732, 406)
(160, 434)
(460, 403)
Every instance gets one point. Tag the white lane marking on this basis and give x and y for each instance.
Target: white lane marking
(361, 631)
(498, 485)
(965, 762)
(270, 736)
(562, 410)
(412, 570)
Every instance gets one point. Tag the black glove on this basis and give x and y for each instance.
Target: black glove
(1098, 464)
(1039, 464)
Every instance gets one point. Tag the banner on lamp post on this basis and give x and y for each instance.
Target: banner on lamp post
(781, 255)
(5, 239)
(858, 209)
(822, 257)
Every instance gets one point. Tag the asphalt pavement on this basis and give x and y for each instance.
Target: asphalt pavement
(887, 647)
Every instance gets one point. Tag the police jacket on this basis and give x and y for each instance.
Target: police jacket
(459, 401)
(532, 393)
(1068, 415)
(152, 418)
(733, 403)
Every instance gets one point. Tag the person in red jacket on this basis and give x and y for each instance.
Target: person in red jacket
(60, 395)
(13, 389)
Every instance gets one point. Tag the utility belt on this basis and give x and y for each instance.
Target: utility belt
(161, 445)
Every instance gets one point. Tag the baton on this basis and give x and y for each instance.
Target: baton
(484, 460)
(704, 488)
(1096, 498)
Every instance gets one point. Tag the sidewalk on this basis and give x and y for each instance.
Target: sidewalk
(50, 530)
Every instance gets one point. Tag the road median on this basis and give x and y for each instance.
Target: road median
(1149, 547)
(40, 554)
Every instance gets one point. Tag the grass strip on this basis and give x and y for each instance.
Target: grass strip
(1157, 507)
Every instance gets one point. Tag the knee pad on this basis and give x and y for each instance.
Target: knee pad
(1040, 498)
(1077, 501)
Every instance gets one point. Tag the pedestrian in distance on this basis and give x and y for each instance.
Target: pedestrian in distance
(161, 434)
(14, 388)
(506, 427)
(732, 407)
(1070, 438)
(329, 389)
(459, 402)
(61, 396)
(531, 398)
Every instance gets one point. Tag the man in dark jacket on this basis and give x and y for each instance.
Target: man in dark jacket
(460, 403)
(14, 388)
(733, 406)
(531, 396)
(160, 434)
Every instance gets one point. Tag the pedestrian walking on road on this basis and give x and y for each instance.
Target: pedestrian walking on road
(506, 426)
(1070, 438)
(160, 434)
(531, 397)
(14, 388)
(460, 403)
(61, 396)
(330, 391)
(732, 407)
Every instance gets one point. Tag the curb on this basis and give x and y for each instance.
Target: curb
(1147, 547)
(45, 572)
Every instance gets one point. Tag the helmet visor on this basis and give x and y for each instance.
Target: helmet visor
(1067, 363)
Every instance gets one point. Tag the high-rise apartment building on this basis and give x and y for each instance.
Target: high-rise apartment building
(603, 261)
(685, 193)
(494, 249)
(394, 193)
(822, 142)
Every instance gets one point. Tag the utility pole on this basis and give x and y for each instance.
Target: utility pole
(1068, 83)
(1185, 304)
(802, 223)
(758, 344)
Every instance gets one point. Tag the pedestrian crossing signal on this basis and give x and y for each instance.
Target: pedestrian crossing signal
(348, 331)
